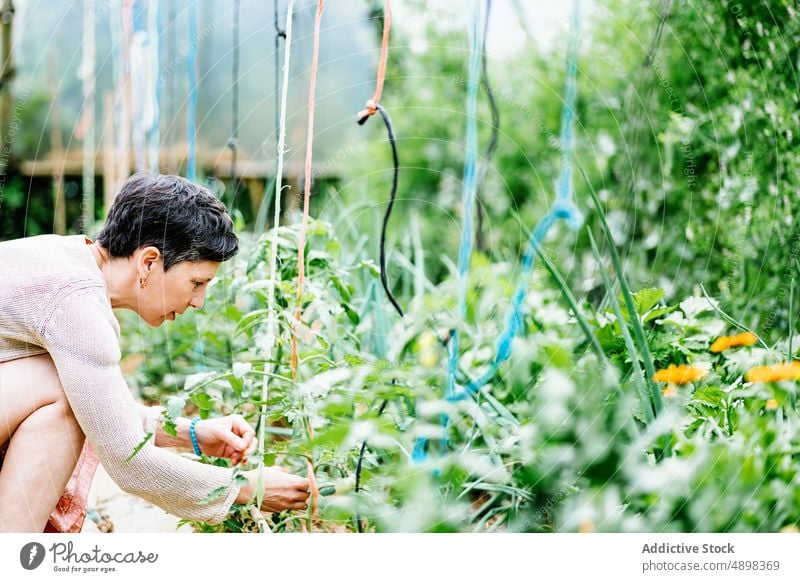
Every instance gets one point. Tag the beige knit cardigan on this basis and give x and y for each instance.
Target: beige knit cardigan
(53, 299)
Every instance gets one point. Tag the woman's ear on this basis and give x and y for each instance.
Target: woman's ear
(147, 259)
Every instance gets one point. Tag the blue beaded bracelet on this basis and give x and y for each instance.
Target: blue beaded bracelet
(193, 436)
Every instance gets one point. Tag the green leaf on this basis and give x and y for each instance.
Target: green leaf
(236, 384)
(609, 337)
(138, 448)
(354, 360)
(645, 299)
(169, 423)
(351, 315)
(333, 436)
(202, 400)
(319, 256)
(344, 295)
(370, 266)
(656, 313)
(214, 495)
(326, 490)
(711, 395)
(557, 356)
(333, 246)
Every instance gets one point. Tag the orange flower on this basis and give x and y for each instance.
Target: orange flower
(774, 373)
(733, 341)
(679, 374)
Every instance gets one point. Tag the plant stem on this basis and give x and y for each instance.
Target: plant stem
(731, 320)
(791, 316)
(647, 405)
(570, 298)
(636, 322)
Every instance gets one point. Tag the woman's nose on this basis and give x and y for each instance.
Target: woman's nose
(197, 301)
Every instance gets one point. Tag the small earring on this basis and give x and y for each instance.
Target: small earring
(142, 283)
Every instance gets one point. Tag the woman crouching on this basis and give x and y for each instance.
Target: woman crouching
(60, 380)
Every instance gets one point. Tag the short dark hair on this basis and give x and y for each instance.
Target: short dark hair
(184, 221)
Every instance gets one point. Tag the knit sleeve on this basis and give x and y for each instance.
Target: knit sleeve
(149, 416)
(81, 338)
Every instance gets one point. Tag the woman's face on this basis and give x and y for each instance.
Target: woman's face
(169, 294)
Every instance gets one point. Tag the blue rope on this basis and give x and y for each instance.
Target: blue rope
(117, 67)
(563, 209)
(470, 183)
(468, 192)
(191, 132)
(154, 31)
(191, 109)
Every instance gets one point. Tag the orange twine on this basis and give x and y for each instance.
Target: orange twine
(307, 194)
(372, 104)
(302, 239)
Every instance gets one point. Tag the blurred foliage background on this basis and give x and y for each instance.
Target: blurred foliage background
(685, 125)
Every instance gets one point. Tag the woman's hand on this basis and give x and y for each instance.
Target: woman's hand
(282, 490)
(230, 437)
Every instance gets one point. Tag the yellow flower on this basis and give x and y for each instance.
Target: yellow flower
(586, 526)
(774, 373)
(680, 374)
(669, 391)
(733, 341)
(791, 528)
(427, 339)
(771, 404)
(428, 358)
(426, 346)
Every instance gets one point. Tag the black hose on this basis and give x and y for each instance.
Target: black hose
(384, 277)
(358, 467)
